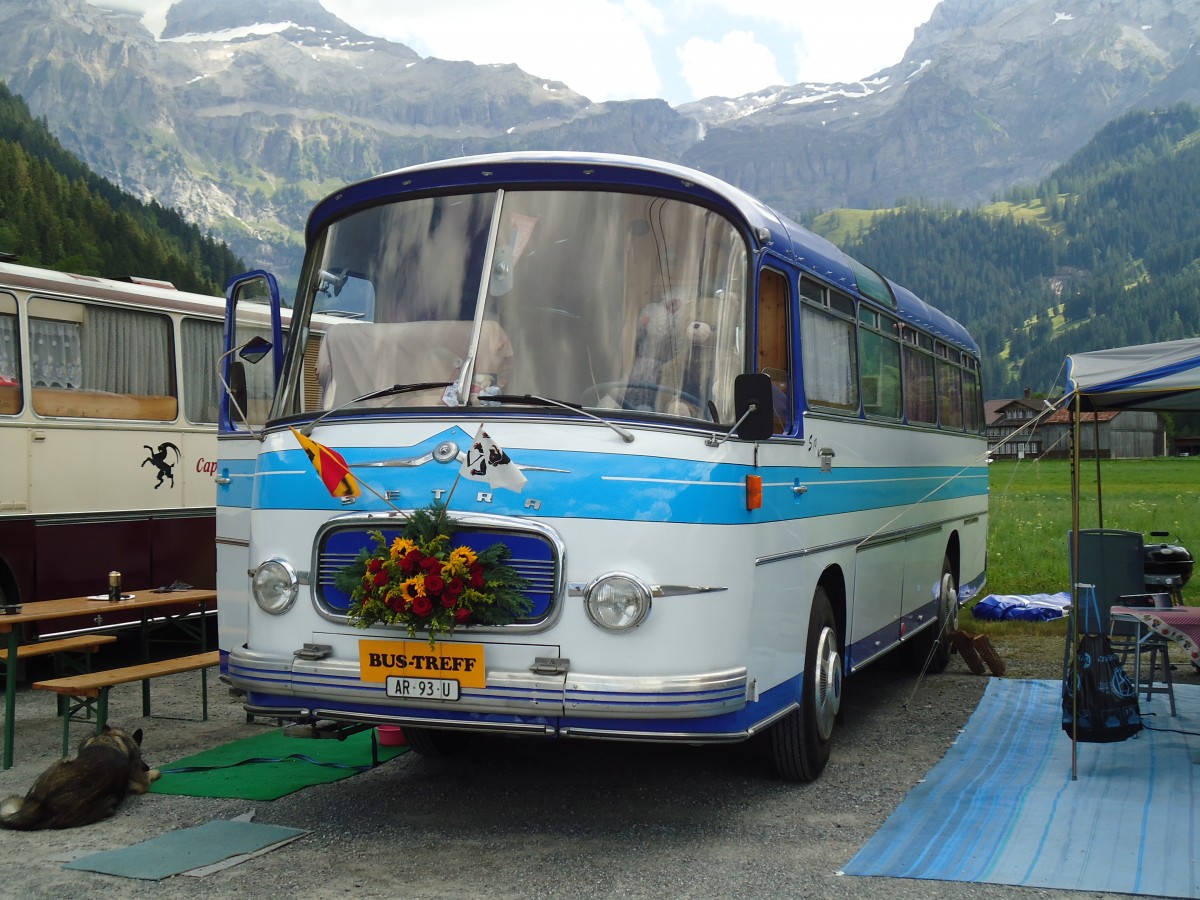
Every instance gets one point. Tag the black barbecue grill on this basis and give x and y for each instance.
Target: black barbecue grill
(1168, 567)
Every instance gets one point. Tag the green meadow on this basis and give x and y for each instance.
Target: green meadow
(1030, 515)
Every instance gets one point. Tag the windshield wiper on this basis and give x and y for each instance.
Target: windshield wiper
(307, 430)
(534, 399)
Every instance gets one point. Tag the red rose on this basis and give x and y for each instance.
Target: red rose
(374, 565)
(421, 606)
(431, 564)
(434, 584)
(455, 586)
(476, 579)
(448, 600)
(381, 579)
(396, 602)
(411, 562)
(461, 615)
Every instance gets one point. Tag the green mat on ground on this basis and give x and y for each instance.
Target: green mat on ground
(269, 766)
(187, 849)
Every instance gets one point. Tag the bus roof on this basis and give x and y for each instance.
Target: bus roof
(767, 228)
(136, 291)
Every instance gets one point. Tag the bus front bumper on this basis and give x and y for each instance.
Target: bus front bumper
(709, 706)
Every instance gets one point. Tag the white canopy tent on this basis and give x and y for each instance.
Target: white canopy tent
(1161, 377)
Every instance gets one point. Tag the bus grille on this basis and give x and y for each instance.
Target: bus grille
(532, 555)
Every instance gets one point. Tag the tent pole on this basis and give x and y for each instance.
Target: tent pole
(1075, 462)
(1096, 444)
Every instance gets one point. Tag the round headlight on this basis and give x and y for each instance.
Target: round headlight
(617, 602)
(275, 586)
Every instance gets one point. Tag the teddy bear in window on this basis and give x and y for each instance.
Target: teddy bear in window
(690, 376)
(660, 339)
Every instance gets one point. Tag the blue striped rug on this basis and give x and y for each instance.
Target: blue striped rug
(1001, 807)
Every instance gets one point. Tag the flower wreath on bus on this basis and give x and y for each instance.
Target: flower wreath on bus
(418, 579)
(423, 582)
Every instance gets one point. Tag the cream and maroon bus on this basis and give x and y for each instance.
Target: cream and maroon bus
(109, 396)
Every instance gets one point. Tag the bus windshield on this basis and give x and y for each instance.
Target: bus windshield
(614, 301)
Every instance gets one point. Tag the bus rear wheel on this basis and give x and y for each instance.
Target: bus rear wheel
(801, 740)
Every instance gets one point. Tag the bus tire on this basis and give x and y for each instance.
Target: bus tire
(801, 740)
(929, 651)
(433, 743)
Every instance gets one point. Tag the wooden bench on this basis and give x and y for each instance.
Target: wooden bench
(80, 643)
(86, 644)
(90, 691)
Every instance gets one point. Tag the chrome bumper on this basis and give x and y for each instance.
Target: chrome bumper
(318, 683)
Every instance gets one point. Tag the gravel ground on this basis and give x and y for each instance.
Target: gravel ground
(520, 818)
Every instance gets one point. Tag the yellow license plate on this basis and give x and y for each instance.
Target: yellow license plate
(377, 660)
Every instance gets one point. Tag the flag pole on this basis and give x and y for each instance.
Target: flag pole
(401, 512)
(457, 479)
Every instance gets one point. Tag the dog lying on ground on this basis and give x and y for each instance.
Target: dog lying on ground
(84, 789)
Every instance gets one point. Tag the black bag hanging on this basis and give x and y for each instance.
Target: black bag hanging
(1099, 700)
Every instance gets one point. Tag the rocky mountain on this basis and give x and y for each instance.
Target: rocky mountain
(241, 113)
(990, 93)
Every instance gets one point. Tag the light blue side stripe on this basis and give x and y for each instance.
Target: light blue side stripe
(627, 488)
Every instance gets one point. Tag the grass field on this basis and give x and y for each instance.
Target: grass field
(1030, 515)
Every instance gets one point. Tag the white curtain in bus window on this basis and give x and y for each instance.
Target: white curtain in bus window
(201, 387)
(10, 357)
(620, 301)
(827, 345)
(98, 362)
(54, 356)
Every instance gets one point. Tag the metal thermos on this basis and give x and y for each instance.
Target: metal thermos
(114, 586)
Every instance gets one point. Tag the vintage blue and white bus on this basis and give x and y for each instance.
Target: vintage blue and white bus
(746, 464)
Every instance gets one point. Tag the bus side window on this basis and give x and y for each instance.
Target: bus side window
(100, 362)
(201, 350)
(949, 388)
(10, 357)
(828, 348)
(773, 330)
(920, 389)
(879, 357)
(201, 340)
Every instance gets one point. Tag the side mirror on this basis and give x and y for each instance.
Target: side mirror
(254, 349)
(753, 407)
(252, 352)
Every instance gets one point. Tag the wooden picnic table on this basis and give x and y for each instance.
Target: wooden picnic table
(145, 602)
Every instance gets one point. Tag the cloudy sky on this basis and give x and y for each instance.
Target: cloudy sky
(679, 50)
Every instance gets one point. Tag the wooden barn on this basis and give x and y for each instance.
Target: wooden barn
(1025, 429)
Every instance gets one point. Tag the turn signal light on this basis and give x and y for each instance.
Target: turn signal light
(753, 492)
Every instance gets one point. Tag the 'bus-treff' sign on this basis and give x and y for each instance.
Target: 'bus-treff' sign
(416, 659)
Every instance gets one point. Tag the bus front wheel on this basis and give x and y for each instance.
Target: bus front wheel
(802, 739)
(433, 743)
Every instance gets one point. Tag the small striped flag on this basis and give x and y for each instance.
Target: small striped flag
(330, 466)
(487, 461)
